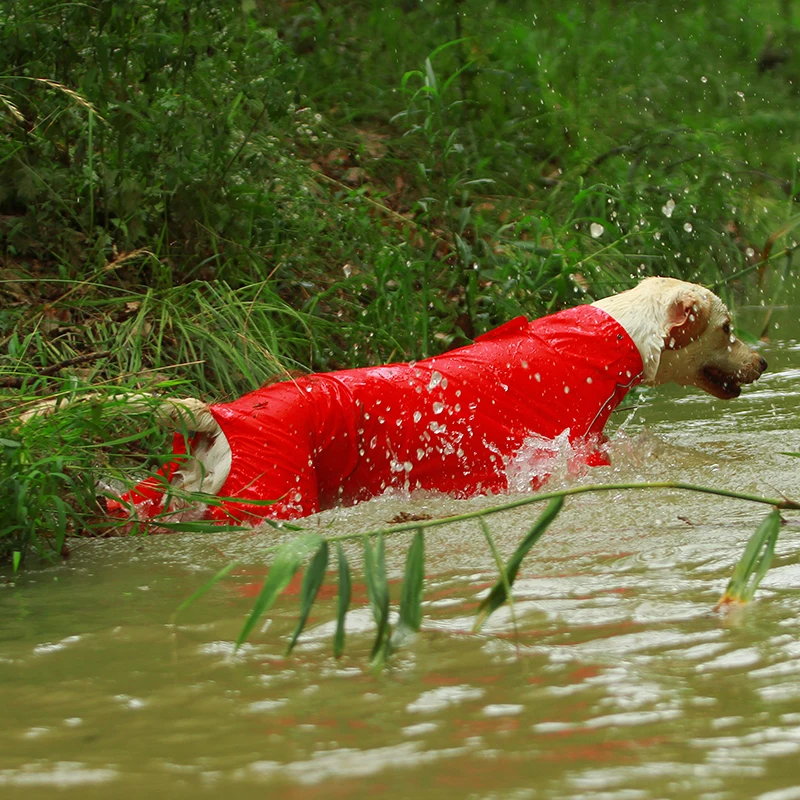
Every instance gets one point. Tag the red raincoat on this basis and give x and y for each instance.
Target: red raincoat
(452, 423)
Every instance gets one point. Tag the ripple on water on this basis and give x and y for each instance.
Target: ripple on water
(60, 775)
(436, 700)
(349, 763)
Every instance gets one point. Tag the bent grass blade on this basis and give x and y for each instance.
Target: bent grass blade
(287, 561)
(499, 594)
(210, 584)
(292, 554)
(378, 594)
(343, 600)
(411, 597)
(503, 577)
(312, 580)
(754, 563)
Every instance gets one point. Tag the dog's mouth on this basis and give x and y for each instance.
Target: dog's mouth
(721, 384)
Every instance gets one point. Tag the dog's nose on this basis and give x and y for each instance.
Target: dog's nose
(762, 364)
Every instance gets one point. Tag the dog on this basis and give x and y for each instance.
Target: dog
(454, 423)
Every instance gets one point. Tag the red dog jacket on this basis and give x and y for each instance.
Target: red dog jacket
(452, 423)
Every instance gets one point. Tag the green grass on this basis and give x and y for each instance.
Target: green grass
(198, 197)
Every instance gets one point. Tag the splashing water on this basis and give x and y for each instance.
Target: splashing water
(540, 459)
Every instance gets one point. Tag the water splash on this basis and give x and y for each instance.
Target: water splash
(540, 459)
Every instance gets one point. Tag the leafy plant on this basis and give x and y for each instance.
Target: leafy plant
(287, 559)
(31, 489)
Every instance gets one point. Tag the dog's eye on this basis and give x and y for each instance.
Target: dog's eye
(726, 329)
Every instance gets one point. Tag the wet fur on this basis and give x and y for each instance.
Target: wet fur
(684, 335)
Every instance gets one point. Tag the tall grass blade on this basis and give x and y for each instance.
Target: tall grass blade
(498, 595)
(312, 580)
(411, 597)
(210, 584)
(60, 522)
(343, 600)
(378, 594)
(503, 576)
(430, 76)
(285, 564)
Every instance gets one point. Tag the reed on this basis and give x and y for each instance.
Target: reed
(286, 559)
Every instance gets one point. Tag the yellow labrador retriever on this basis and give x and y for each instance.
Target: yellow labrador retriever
(454, 423)
(683, 333)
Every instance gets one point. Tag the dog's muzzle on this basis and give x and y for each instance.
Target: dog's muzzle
(727, 385)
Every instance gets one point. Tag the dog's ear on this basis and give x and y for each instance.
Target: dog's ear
(687, 319)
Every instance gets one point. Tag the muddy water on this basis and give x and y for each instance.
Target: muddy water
(617, 682)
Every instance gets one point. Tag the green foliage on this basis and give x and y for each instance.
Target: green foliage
(149, 134)
(378, 594)
(534, 126)
(47, 488)
(434, 184)
(31, 489)
(343, 600)
(312, 580)
(56, 469)
(413, 583)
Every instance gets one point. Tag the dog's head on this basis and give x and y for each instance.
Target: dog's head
(685, 336)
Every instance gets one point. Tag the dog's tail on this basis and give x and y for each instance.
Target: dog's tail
(201, 463)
